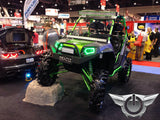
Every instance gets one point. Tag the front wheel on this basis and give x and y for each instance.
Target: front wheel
(98, 91)
(47, 71)
(125, 73)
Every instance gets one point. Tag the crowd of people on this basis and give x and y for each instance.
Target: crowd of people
(148, 44)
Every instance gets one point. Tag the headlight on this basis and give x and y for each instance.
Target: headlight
(89, 50)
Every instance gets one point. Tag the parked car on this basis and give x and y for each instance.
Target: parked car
(17, 54)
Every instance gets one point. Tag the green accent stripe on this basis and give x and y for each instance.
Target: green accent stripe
(89, 88)
(117, 57)
(76, 23)
(115, 71)
(128, 72)
(51, 75)
(111, 30)
(88, 76)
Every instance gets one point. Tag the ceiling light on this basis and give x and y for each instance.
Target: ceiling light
(36, 13)
(2, 12)
(107, 0)
(70, 9)
(20, 10)
(55, 4)
(84, 8)
(99, 6)
(20, 1)
(9, 3)
(87, 2)
(11, 11)
(157, 2)
(135, 3)
(11, 14)
(42, 6)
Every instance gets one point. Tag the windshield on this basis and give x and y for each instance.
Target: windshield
(93, 28)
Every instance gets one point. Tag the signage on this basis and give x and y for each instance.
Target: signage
(65, 16)
(76, 2)
(51, 12)
(29, 6)
(133, 105)
(16, 14)
(152, 17)
(34, 18)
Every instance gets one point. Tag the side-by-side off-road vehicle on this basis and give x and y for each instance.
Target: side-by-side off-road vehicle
(97, 54)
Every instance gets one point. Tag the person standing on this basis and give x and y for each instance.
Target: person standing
(62, 26)
(35, 38)
(140, 49)
(49, 37)
(156, 43)
(132, 47)
(149, 44)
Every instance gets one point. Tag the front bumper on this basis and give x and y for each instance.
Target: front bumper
(70, 59)
(10, 67)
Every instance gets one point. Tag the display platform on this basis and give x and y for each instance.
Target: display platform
(152, 67)
(40, 95)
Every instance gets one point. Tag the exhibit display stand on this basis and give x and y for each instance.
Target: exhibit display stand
(45, 96)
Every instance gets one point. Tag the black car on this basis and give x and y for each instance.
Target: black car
(17, 54)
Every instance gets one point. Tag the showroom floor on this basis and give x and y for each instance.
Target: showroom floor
(74, 105)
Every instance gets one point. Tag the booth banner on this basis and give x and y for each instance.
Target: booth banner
(139, 26)
(76, 2)
(64, 16)
(17, 14)
(29, 6)
(152, 17)
(34, 18)
(51, 12)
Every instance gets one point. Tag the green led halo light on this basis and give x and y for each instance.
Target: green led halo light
(57, 44)
(89, 50)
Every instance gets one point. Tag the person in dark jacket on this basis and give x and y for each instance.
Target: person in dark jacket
(156, 43)
(151, 36)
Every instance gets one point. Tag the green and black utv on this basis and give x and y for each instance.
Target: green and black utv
(97, 54)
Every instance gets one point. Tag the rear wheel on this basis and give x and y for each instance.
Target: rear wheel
(125, 73)
(98, 91)
(46, 71)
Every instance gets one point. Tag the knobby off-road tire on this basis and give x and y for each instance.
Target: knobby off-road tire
(125, 73)
(47, 66)
(98, 91)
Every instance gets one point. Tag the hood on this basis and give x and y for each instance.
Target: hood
(79, 43)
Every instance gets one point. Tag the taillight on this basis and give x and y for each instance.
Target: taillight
(5, 55)
(14, 55)
(38, 52)
(9, 55)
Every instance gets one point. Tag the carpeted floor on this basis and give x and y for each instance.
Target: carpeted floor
(74, 105)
